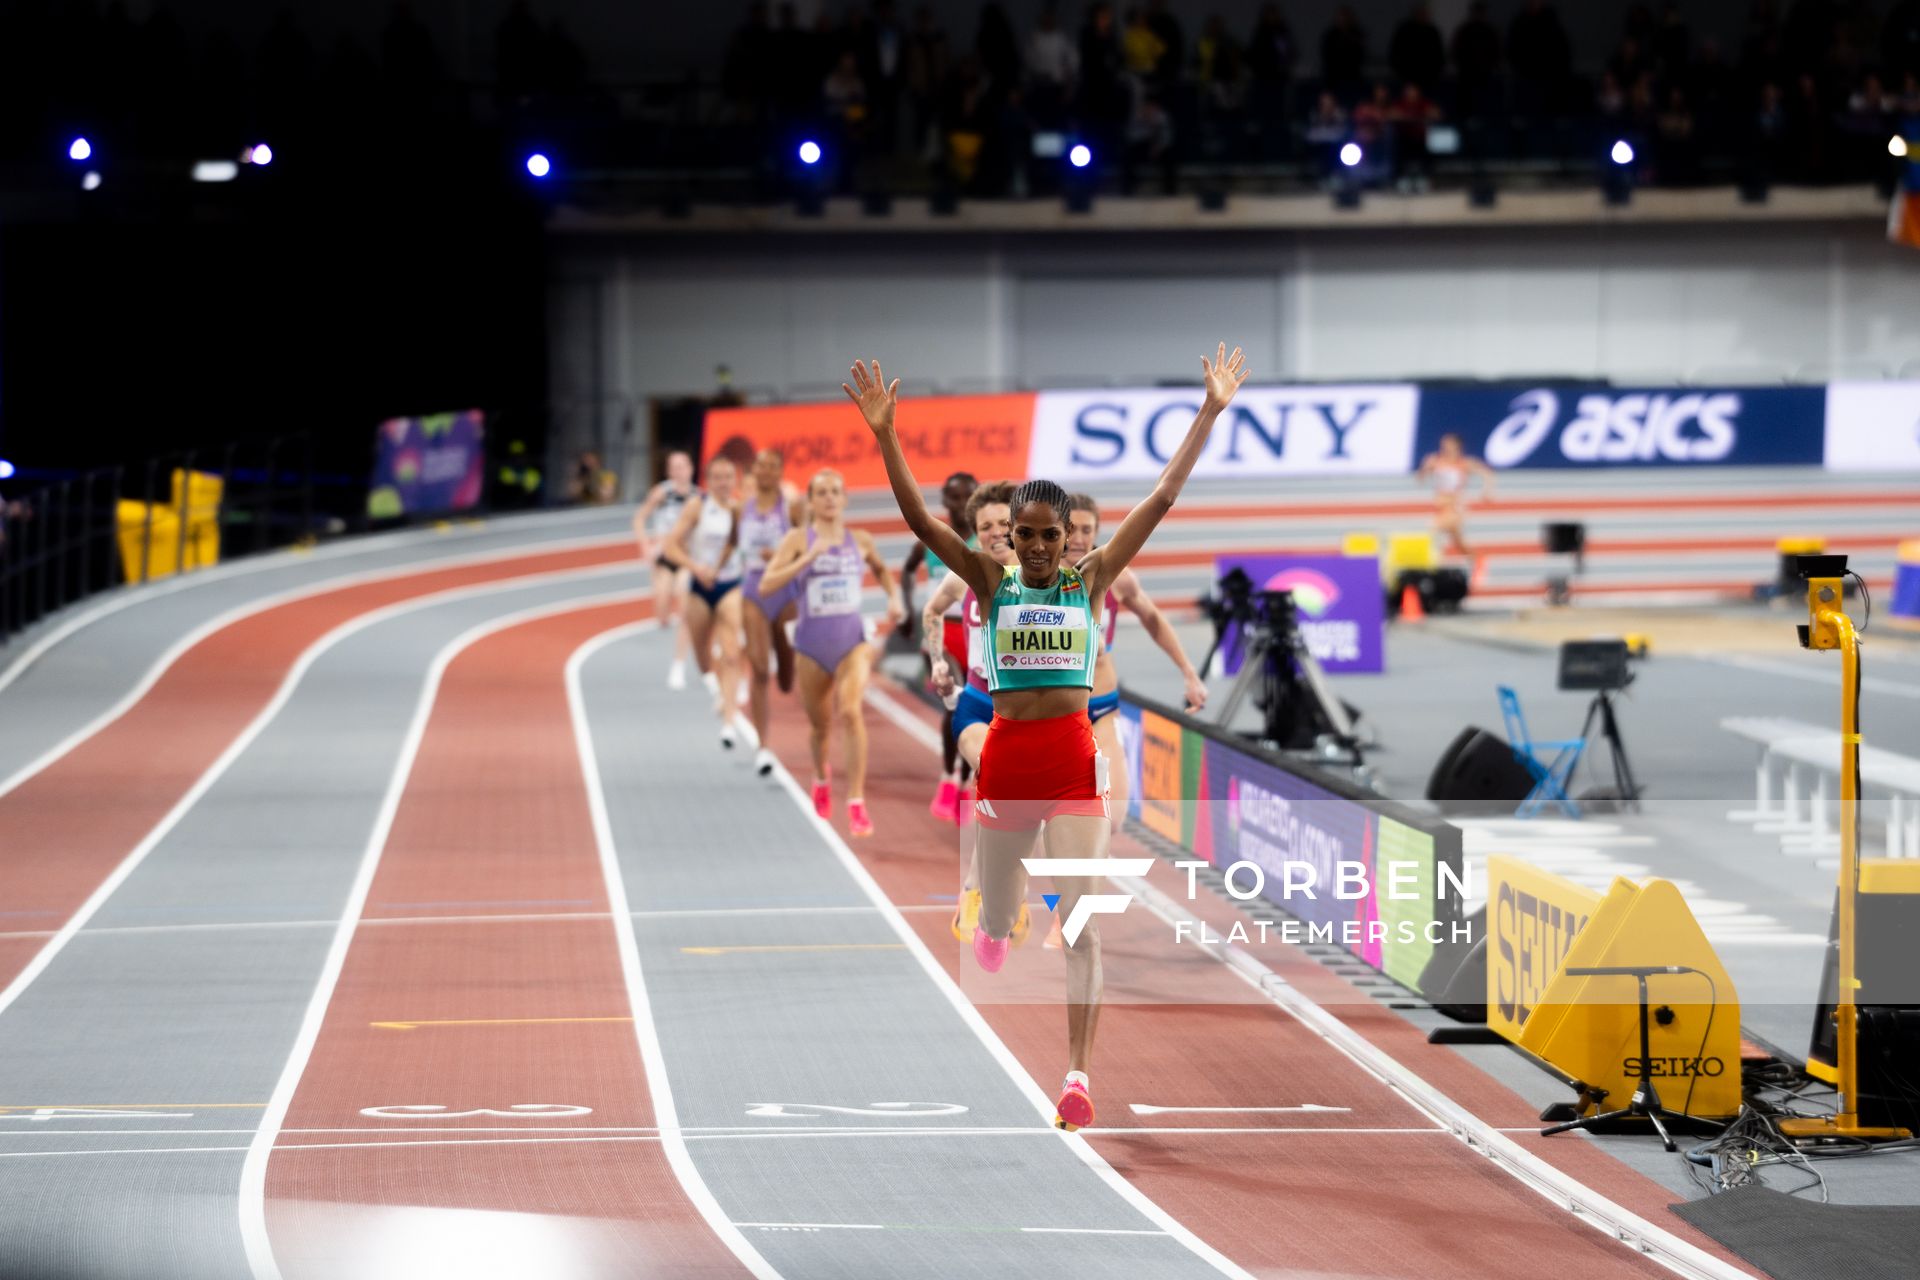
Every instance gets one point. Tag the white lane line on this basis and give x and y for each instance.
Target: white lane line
(845, 1131)
(1818, 674)
(1088, 1231)
(814, 1226)
(106, 888)
(127, 596)
(253, 1174)
(1145, 1109)
(672, 1140)
(1586, 1204)
(237, 614)
(518, 918)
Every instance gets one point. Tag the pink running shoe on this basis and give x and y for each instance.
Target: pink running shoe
(1074, 1110)
(946, 801)
(857, 820)
(990, 953)
(823, 798)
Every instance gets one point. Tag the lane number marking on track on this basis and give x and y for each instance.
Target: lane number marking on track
(518, 1111)
(813, 1110)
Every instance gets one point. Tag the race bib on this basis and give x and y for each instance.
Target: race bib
(833, 595)
(1040, 637)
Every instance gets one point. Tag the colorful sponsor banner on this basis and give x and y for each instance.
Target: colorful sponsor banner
(1341, 611)
(423, 466)
(1873, 426)
(986, 435)
(1090, 436)
(1533, 917)
(1582, 425)
(1354, 869)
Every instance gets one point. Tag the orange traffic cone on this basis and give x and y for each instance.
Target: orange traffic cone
(1411, 610)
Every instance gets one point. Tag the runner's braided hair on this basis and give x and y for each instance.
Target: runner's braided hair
(1045, 491)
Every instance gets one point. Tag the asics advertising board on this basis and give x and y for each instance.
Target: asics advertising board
(1582, 425)
(1089, 436)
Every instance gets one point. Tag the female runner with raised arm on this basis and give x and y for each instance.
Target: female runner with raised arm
(826, 560)
(1039, 763)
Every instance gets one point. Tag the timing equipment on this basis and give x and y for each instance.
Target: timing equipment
(1600, 667)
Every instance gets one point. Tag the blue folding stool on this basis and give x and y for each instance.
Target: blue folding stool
(1550, 777)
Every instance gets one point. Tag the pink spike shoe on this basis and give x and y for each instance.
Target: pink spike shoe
(1074, 1110)
(989, 952)
(857, 820)
(823, 798)
(946, 801)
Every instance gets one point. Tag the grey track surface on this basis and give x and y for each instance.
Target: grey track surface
(874, 1024)
(90, 670)
(130, 1015)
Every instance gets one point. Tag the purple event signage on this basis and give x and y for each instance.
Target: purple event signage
(1341, 607)
(427, 465)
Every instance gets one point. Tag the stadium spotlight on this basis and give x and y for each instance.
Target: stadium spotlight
(79, 149)
(1351, 155)
(538, 165)
(215, 171)
(259, 153)
(90, 180)
(1897, 147)
(1081, 156)
(809, 152)
(1622, 153)
(6, 469)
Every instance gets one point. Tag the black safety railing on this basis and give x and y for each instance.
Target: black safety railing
(64, 537)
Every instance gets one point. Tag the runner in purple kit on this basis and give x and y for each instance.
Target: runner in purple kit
(826, 560)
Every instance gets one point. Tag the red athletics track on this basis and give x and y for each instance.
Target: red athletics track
(72, 823)
(493, 822)
(1179, 1030)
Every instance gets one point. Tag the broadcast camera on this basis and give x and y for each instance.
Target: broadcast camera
(1300, 712)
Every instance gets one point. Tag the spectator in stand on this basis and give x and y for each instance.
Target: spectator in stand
(1053, 64)
(1672, 44)
(968, 116)
(1807, 139)
(882, 54)
(1909, 100)
(1541, 59)
(1104, 100)
(1373, 130)
(1413, 115)
(1610, 101)
(1150, 142)
(1327, 131)
(1343, 54)
(1628, 62)
(1760, 61)
(1476, 63)
(1768, 134)
(1675, 162)
(843, 95)
(1270, 58)
(924, 70)
(1221, 69)
(1141, 47)
(1900, 42)
(1417, 54)
(997, 48)
(746, 72)
(1172, 39)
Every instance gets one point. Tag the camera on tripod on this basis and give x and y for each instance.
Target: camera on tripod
(1300, 713)
(1601, 667)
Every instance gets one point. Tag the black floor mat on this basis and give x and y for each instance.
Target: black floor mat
(1792, 1238)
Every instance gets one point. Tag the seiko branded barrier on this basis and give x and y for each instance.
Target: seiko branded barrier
(1088, 437)
(1350, 868)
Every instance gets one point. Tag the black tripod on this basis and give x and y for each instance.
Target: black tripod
(1278, 669)
(1646, 1099)
(1623, 780)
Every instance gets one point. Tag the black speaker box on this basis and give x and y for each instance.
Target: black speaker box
(1479, 773)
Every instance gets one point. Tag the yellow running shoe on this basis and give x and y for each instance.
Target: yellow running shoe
(966, 916)
(1021, 924)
